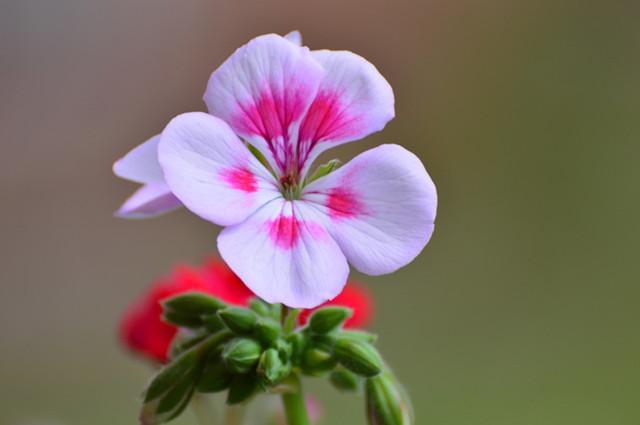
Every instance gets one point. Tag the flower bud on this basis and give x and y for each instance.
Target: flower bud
(267, 330)
(296, 342)
(241, 354)
(359, 335)
(326, 319)
(213, 322)
(239, 320)
(182, 320)
(344, 380)
(359, 357)
(259, 307)
(386, 402)
(215, 376)
(242, 388)
(271, 369)
(316, 361)
(193, 304)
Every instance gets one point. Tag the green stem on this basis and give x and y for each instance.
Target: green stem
(295, 408)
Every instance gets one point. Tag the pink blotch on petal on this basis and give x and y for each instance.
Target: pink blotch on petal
(240, 178)
(285, 231)
(328, 119)
(271, 115)
(342, 203)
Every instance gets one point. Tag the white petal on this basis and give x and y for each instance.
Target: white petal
(353, 101)
(295, 37)
(380, 208)
(263, 91)
(211, 171)
(150, 200)
(285, 255)
(141, 163)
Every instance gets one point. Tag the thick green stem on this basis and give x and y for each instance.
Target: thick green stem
(295, 408)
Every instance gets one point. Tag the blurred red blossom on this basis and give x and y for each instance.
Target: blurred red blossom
(143, 331)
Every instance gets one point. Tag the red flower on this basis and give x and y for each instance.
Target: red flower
(355, 297)
(143, 331)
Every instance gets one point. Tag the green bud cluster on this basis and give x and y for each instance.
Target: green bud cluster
(244, 351)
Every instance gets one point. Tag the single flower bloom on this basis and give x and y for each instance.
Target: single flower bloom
(289, 235)
(143, 331)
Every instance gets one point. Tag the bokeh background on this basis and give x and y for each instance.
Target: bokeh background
(522, 310)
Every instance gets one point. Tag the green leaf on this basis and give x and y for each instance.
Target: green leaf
(170, 374)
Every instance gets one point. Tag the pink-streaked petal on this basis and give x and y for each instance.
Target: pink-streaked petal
(295, 37)
(141, 163)
(211, 171)
(353, 101)
(263, 91)
(150, 200)
(380, 207)
(285, 255)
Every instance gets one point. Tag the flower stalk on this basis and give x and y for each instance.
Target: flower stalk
(295, 408)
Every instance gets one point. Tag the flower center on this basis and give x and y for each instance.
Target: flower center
(289, 187)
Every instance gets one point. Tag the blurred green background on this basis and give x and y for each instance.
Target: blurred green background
(522, 310)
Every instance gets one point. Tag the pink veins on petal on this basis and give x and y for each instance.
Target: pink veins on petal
(343, 203)
(270, 117)
(240, 178)
(285, 231)
(327, 119)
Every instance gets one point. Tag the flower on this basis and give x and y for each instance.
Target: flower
(143, 331)
(274, 106)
